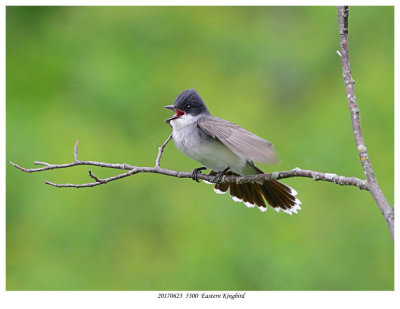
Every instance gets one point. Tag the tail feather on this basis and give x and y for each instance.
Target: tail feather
(286, 191)
(273, 199)
(276, 194)
(240, 193)
(283, 198)
(259, 196)
(221, 188)
(234, 191)
(248, 197)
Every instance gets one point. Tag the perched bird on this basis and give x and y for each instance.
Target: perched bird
(227, 149)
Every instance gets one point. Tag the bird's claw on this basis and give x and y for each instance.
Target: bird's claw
(220, 175)
(196, 171)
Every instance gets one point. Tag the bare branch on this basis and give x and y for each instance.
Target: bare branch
(161, 149)
(94, 177)
(48, 166)
(92, 184)
(76, 150)
(132, 170)
(40, 163)
(373, 187)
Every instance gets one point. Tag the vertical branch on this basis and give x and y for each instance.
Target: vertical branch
(377, 194)
(76, 151)
(161, 149)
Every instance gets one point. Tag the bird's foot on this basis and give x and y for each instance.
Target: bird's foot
(220, 175)
(196, 172)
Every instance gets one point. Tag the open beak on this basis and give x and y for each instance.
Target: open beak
(171, 107)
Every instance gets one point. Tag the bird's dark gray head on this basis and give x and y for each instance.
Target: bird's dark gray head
(189, 102)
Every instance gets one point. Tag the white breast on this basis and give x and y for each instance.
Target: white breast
(210, 152)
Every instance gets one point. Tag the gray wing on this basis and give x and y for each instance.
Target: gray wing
(238, 140)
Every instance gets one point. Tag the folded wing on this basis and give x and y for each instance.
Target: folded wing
(238, 140)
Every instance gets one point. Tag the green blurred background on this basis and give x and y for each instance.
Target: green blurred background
(102, 75)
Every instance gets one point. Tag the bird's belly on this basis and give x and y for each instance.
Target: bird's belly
(209, 152)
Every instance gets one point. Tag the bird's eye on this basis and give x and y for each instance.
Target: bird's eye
(188, 106)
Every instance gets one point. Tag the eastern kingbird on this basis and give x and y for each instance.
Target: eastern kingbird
(227, 149)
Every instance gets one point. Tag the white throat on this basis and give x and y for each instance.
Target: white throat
(183, 121)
